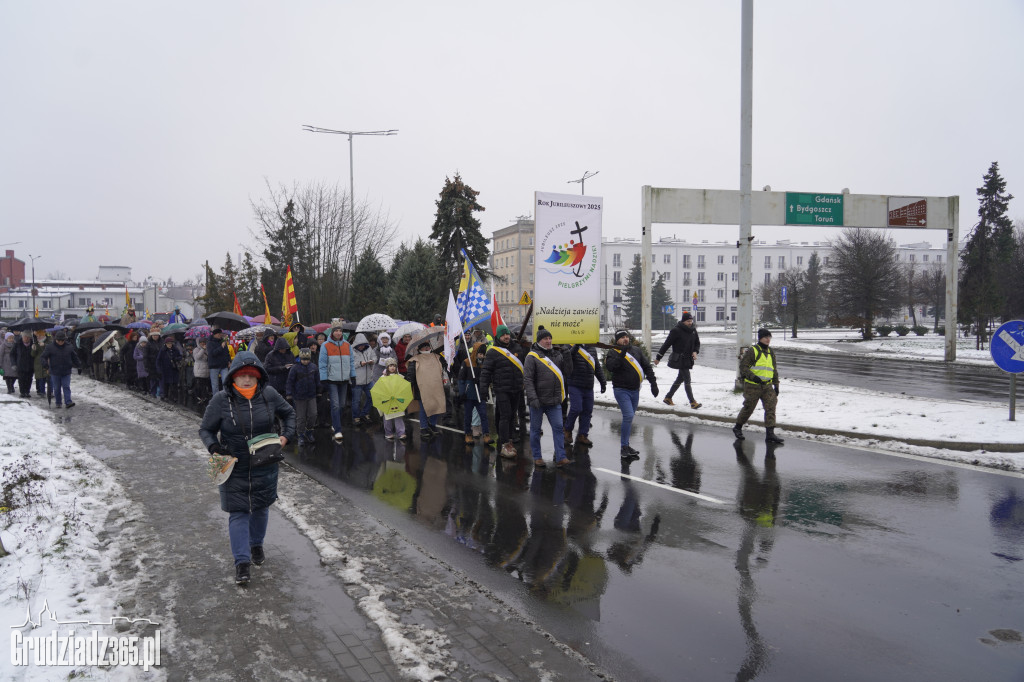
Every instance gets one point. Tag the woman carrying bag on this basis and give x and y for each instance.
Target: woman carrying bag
(245, 410)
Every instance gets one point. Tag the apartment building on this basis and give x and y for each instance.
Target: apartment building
(512, 267)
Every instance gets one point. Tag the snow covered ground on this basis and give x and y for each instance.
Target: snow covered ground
(55, 504)
(844, 409)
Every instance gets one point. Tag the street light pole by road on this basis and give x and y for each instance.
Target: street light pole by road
(34, 258)
(583, 181)
(351, 173)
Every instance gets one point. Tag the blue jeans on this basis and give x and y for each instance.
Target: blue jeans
(554, 415)
(472, 409)
(41, 386)
(627, 400)
(581, 404)
(361, 408)
(59, 383)
(338, 394)
(425, 420)
(247, 530)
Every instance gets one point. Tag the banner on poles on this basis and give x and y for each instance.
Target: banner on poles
(567, 288)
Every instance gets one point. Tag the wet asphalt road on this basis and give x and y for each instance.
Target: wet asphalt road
(928, 379)
(822, 563)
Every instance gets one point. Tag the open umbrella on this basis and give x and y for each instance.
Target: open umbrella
(392, 394)
(175, 328)
(272, 320)
(141, 324)
(407, 328)
(199, 322)
(229, 321)
(432, 335)
(321, 328)
(98, 346)
(251, 331)
(200, 332)
(375, 322)
(29, 324)
(87, 326)
(115, 327)
(58, 328)
(94, 331)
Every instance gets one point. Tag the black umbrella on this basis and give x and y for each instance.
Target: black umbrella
(114, 327)
(85, 326)
(29, 324)
(226, 320)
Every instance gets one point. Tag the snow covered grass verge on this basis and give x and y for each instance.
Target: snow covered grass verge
(843, 409)
(55, 501)
(419, 652)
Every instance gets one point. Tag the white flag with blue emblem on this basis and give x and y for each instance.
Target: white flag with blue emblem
(473, 302)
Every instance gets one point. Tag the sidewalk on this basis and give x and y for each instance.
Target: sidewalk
(341, 596)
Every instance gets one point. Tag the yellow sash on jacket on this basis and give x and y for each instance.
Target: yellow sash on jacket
(511, 357)
(634, 364)
(550, 365)
(588, 357)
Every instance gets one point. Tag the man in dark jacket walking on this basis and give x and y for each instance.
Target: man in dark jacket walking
(503, 371)
(218, 359)
(277, 364)
(545, 379)
(301, 389)
(60, 357)
(25, 362)
(585, 368)
(628, 368)
(684, 343)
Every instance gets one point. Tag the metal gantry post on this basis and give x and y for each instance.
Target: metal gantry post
(745, 302)
(952, 273)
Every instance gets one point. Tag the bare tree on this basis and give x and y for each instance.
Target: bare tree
(931, 289)
(310, 228)
(864, 278)
(770, 297)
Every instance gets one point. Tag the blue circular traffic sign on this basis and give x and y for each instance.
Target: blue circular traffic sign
(1007, 347)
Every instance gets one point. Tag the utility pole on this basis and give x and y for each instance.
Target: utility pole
(745, 303)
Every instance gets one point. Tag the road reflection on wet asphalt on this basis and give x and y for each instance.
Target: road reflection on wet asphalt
(712, 558)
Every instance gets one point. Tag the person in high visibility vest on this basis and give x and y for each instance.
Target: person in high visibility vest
(760, 383)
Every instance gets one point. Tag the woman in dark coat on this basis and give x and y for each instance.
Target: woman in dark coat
(247, 407)
(168, 360)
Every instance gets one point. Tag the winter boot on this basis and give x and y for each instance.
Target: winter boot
(770, 437)
(568, 437)
(508, 451)
(738, 432)
(583, 440)
(695, 405)
(668, 400)
(258, 557)
(242, 574)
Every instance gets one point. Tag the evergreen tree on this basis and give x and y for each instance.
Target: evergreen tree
(631, 296)
(286, 245)
(659, 299)
(986, 258)
(210, 300)
(864, 278)
(227, 284)
(813, 293)
(369, 295)
(455, 228)
(248, 290)
(418, 289)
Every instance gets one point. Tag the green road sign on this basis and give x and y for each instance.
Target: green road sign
(814, 209)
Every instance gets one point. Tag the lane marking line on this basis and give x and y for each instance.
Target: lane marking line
(706, 498)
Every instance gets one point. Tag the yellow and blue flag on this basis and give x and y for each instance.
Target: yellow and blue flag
(473, 303)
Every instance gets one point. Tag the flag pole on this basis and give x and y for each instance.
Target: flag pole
(469, 358)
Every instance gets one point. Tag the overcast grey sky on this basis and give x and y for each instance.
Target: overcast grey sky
(136, 133)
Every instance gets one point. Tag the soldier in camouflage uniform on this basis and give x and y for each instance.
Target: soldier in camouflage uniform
(760, 383)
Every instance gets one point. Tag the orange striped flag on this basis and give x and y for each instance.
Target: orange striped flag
(238, 308)
(266, 306)
(288, 304)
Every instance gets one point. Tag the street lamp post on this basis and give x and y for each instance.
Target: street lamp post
(351, 173)
(583, 181)
(33, 282)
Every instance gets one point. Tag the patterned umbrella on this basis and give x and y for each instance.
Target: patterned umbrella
(250, 333)
(432, 335)
(200, 332)
(375, 322)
